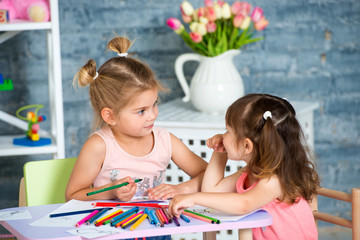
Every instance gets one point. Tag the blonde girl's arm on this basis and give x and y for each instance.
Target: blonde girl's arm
(87, 168)
(264, 192)
(190, 163)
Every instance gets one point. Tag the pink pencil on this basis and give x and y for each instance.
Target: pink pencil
(86, 218)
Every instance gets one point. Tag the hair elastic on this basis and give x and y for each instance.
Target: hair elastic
(267, 115)
(122, 54)
(96, 75)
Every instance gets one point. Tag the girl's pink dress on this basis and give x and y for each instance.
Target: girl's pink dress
(294, 221)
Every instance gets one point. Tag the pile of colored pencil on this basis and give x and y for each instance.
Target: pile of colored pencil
(156, 214)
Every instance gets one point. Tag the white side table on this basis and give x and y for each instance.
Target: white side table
(194, 127)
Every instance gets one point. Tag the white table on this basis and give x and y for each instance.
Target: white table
(22, 230)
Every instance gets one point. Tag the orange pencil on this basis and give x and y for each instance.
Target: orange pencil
(131, 221)
(158, 215)
(198, 217)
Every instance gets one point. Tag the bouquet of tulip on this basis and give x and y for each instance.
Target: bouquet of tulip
(218, 27)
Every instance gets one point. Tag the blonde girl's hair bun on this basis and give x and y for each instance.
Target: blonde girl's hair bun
(120, 45)
(86, 74)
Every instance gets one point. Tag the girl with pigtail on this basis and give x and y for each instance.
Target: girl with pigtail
(280, 177)
(125, 144)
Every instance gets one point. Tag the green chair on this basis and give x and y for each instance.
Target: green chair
(45, 181)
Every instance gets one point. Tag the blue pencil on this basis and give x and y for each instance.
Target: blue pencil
(135, 209)
(149, 216)
(184, 218)
(153, 215)
(91, 220)
(74, 212)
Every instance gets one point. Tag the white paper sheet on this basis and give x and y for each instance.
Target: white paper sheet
(15, 215)
(94, 232)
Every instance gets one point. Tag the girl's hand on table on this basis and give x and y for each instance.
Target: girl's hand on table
(127, 192)
(179, 203)
(163, 191)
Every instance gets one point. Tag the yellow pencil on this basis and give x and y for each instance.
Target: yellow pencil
(137, 223)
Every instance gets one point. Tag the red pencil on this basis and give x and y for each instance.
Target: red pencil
(114, 204)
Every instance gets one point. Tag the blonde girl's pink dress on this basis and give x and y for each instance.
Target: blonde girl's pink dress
(290, 222)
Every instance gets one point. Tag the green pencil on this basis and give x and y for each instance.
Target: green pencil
(110, 188)
(211, 218)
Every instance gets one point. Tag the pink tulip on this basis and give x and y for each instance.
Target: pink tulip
(210, 14)
(261, 24)
(235, 8)
(195, 37)
(221, 3)
(211, 27)
(186, 18)
(173, 23)
(208, 3)
(256, 14)
(238, 20)
(201, 12)
(245, 9)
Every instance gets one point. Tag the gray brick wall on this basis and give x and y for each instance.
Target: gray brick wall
(310, 52)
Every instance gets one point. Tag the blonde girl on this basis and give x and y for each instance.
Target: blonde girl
(126, 145)
(279, 177)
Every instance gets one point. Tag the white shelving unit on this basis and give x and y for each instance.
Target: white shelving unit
(57, 147)
(194, 127)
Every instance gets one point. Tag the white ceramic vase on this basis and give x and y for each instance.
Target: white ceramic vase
(216, 83)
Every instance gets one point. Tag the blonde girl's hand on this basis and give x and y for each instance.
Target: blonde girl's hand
(216, 143)
(163, 191)
(179, 203)
(125, 193)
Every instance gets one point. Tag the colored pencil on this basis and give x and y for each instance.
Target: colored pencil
(153, 215)
(176, 221)
(86, 218)
(112, 187)
(148, 215)
(74, 212)
(128, 212)
(163, 215)
(198, 217)
(117, 204)
(96, 216)
(102, 221)
(184, 218)
(123, 219)
(131, 221)
(139, 221)
(158, 215)
(202, 215)
(167, 214)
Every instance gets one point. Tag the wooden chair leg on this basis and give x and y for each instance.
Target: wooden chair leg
(22, 194)
(209, 236)
(245, 234)
(356, 213)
